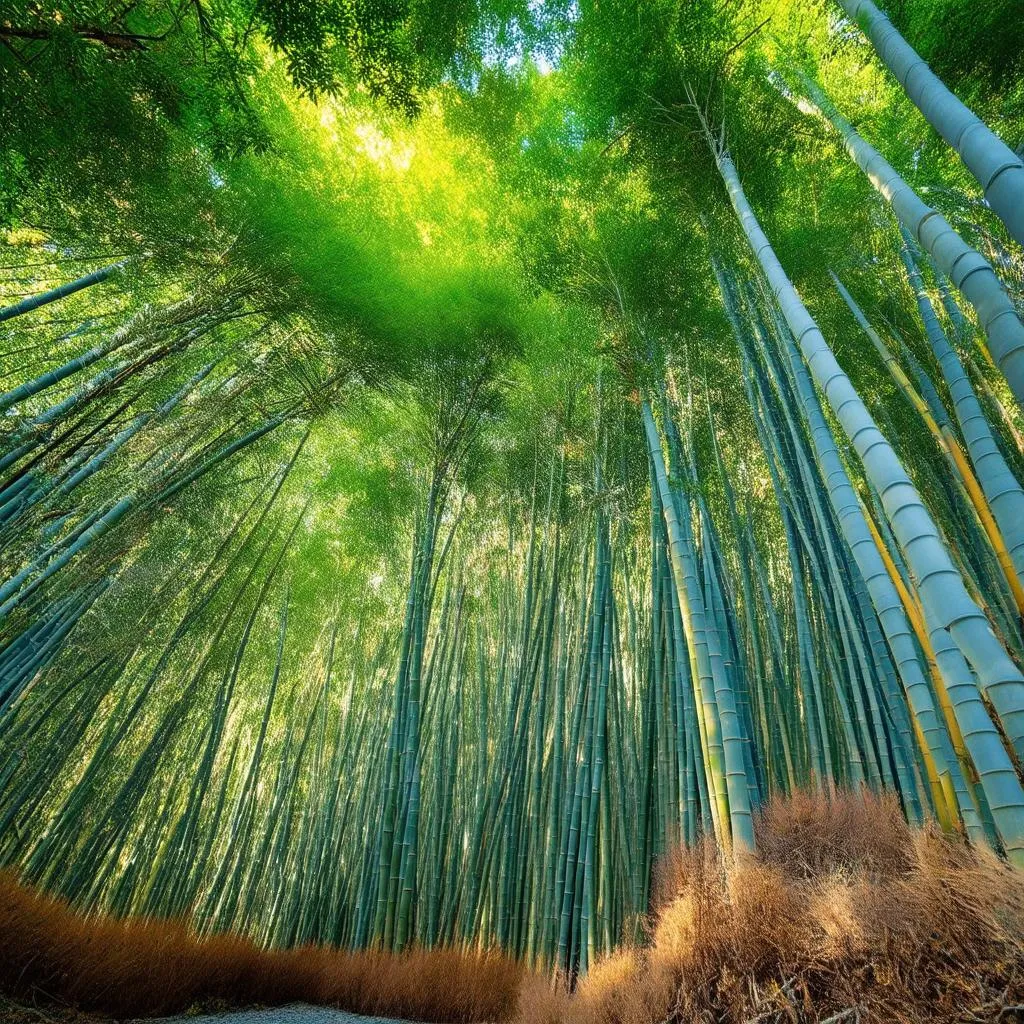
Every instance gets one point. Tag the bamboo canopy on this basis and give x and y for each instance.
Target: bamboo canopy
(453, 454)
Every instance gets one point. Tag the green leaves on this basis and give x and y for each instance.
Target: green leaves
(401, 548)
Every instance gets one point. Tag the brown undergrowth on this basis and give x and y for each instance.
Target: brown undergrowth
(147, 968)
(844, 915)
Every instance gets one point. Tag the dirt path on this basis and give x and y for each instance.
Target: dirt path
(294, 1013)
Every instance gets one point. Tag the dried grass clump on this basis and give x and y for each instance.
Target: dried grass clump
(844, 914)
(855, 832)
(149, 968)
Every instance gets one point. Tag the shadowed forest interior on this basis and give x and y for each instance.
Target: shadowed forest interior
(523, 492)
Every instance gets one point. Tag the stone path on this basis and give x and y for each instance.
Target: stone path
(294, 1013)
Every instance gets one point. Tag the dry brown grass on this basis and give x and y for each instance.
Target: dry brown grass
(153, 968)
(844, 915)
(14, 1012)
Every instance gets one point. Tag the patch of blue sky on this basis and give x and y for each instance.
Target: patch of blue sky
(538, 36)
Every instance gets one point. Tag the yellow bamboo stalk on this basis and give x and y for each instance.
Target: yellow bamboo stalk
(982, 344)
(949, 445)
(915, 615)
(940, 794)
(941, 784)
(988, 522)
(718, 798)
(707, 722)
(1004, 414)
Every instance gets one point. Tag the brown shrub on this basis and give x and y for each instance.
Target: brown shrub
(543, 1000)
(845, 914)
(856, 831)
(609, 992)
(141, 968)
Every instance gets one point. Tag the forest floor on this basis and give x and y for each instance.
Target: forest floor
(844, 914)
(294, 1013)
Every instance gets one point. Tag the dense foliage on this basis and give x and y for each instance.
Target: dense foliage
(453, 452)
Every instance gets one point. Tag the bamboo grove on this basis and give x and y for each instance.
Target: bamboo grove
(444, 470)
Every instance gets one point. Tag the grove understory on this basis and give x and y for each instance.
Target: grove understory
(457, 457)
